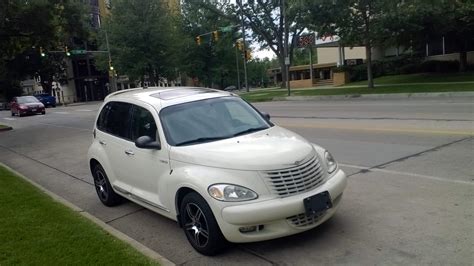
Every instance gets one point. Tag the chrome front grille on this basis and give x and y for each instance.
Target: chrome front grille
(302, 220)
(290, 181)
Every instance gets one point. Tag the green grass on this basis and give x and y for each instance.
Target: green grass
(3, 126)
(420, 78)
(35, 230)
(261, 96)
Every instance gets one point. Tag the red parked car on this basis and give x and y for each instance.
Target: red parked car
(26, 105)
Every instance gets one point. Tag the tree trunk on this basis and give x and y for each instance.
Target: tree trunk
(281, 60)
(370, 78)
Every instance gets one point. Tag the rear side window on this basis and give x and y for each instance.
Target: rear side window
(115, 119)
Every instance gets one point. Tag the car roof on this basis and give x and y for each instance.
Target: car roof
(161, 97)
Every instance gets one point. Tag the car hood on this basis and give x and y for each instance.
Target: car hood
(273, 148)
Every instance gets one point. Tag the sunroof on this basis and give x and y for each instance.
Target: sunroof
(177, 93)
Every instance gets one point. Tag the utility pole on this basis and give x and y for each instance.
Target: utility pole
(285, 46)
(112, 80)
(244, 45)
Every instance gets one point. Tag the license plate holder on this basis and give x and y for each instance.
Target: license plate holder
(317, 203)
(33, 110)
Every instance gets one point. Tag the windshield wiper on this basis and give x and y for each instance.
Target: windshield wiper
(200, 140)
(250, 130)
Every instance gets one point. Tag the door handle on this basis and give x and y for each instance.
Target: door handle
(102, 142)
(129, 152)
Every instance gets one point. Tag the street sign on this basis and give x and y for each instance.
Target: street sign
(306, 40)
(287, 60)
(76, 52)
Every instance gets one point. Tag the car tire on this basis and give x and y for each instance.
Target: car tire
(43, 113)
(200, 225)
(103, 188)
(13, 114)
(54, 105)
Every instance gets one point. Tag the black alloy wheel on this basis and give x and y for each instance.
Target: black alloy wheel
(200, 225)
(103, 188)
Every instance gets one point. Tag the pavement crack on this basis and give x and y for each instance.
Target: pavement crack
(401, 159)
(256, 254)
(125, 215)
(47, 165)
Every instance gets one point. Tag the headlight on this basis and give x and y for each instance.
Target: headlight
(332, 164)
(228, 192)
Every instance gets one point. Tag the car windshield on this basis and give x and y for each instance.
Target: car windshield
(210, 120)
(27, 99)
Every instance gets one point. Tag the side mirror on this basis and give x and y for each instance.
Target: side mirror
(266, 116)
(146, 142)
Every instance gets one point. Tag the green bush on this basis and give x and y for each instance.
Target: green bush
(439, 66)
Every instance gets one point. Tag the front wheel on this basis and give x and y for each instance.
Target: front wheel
(103, 188)
(200, 226)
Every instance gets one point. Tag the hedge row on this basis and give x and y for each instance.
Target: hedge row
(400, 65)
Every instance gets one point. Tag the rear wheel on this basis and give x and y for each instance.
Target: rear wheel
(103, 188)
(13, 114)
(200, 226)
(44, 112)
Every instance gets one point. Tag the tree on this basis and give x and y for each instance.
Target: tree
(257, 72)
(419, 22)
(55, 24)
(267, 20)
(212, 62)
(356, 22)
(141, 37)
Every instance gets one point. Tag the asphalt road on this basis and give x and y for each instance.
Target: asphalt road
(410, 198)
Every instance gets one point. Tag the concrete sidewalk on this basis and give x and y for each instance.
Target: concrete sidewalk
(422, 95)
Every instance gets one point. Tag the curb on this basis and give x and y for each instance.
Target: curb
(422, 95)
(5, 128)
(109, 229)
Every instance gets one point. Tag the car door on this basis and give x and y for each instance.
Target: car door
(150, 166)
(113, 135)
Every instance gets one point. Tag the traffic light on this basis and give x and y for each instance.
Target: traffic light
(215, 35)
(67, 51)
(111, 68)
(42, 53)
(240, 45)
(198, 40)
(248, 55)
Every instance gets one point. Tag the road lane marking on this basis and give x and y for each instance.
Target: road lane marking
(83, 110)
(398, 130)
(9, 118)
(436, 178)
(62, 113)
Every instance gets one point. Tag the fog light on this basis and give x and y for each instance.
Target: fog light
(247, 229)
(253, 228)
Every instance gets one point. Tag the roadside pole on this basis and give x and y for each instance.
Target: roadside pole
(244, 48)
(237, 64)
(285, 46)
(112, 72)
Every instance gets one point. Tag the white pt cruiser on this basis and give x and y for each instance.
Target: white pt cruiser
(212, 162)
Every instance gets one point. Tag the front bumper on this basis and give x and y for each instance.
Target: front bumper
(37, 110)
(279, 217)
